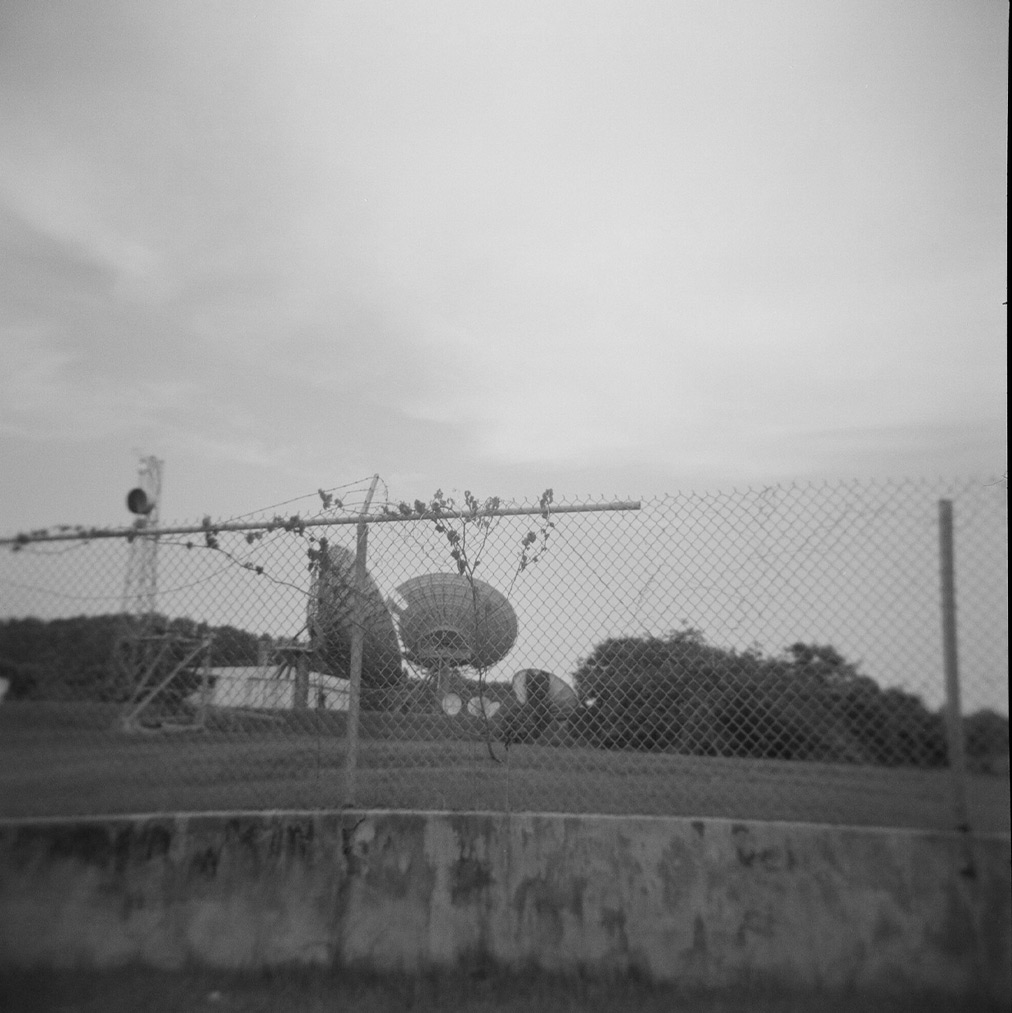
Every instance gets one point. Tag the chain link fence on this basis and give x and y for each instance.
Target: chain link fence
(771, 653)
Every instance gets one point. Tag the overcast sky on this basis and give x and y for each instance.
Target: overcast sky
(606, 247)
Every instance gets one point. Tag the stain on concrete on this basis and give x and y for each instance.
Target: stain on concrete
(469, 877)
(204, 862)
(886, 929)
(756, 922)
(355, 842)
(133, 902)
(751, 855)
(299, 838)
(955, 933)
(383, 858)
(698, 937)
(549, 899)
(885, 868)
(613, 921)
(89, 844)
(243, 840)
(104, 846)
(121, 849)
(469, 860)
(679, 869)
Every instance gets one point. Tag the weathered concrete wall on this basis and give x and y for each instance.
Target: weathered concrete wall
(703, 901)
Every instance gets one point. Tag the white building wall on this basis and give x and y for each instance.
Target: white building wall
(258, 688)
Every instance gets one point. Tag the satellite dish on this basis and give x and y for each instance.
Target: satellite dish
(138, 502)
(477, 706)
(451, 704)
(450, 620)
(561, 696)
(332, 619)
(520, 687)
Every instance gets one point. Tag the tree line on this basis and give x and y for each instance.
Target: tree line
(675, 693)
(72, 659)
(680, 694)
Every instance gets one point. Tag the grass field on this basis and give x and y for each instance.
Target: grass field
(130, 989)
(62, 761)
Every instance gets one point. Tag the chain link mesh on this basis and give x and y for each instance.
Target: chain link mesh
(771, 653)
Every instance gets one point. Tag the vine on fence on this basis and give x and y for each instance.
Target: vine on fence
(466, 529)
(462, 528)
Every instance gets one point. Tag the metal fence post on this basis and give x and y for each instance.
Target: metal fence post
(953, 710)
(301, 701)
(355, 660)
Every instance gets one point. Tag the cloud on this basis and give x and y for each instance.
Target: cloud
(498, 241)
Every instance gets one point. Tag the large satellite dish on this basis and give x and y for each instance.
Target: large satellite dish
(332, 617)
(450, 620)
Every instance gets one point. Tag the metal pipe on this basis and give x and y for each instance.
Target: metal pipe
(950, 654)
(86, 534)
(301, 694)
(355, 660)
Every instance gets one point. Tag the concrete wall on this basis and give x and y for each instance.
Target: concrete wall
(705, 901)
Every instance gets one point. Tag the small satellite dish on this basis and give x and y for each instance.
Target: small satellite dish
(138, 502)
(451, 704)
(561, 695)
(477, 705)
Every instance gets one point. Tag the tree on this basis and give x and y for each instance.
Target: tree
(987, 742)
(72, 659)
(643, 692)
(679, 693)
(59, 658)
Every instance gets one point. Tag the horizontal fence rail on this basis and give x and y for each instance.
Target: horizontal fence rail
(777, 653)
(297, 523)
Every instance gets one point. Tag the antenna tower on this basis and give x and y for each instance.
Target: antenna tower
(140, 589)
(157, 665)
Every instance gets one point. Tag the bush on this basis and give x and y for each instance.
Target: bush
(987, 742)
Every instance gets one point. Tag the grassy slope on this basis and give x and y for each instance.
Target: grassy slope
(55, 762)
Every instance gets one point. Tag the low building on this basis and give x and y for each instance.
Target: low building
(258, 687)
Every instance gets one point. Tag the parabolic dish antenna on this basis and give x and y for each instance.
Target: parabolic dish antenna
(332, 618)
(561, 695)
(451, 704)
(450, 620)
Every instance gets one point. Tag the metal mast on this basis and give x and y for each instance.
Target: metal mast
(132, 652)
(140, 590)
(156, 663)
